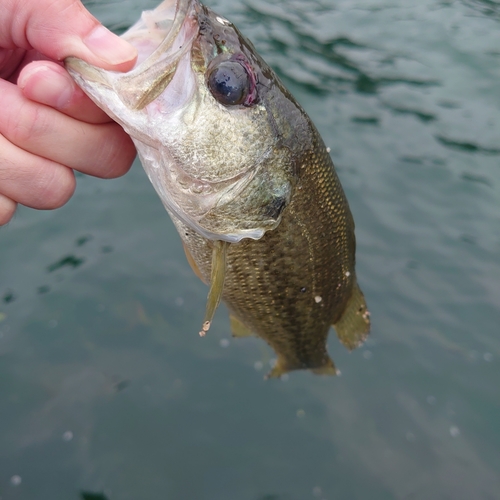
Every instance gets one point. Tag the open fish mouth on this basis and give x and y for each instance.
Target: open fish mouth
(162, 37)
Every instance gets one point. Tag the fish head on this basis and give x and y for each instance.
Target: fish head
(217, 133)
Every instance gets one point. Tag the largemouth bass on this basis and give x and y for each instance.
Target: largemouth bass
(245, 177)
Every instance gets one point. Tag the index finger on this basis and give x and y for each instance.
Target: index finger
(49, 83)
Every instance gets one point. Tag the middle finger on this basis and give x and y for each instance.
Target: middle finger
(102, 150)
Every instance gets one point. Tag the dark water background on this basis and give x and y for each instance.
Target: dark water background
(106, 387)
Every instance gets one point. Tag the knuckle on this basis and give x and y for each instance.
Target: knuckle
(55, 187)
(27, 125)
(117, 154)
(7, 210)
(31, 180)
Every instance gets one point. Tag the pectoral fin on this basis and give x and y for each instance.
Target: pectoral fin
(238, 329)
(354, 325)
(217, 276)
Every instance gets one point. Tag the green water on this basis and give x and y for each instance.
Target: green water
(105, 386)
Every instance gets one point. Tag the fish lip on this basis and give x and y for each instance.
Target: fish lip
(80, 68)
(118, 81)
(182, 10)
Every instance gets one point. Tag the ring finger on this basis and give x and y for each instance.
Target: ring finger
(33, 181)
(7, 209)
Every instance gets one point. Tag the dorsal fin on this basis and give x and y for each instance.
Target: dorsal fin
(354, 325)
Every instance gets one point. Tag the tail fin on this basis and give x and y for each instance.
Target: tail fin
(281, 367)
(354, 325)
(328, 368)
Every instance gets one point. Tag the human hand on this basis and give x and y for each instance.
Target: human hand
(48, 126)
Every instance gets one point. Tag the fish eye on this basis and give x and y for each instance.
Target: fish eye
(229, 83)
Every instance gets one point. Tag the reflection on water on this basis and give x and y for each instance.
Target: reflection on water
(105, 387)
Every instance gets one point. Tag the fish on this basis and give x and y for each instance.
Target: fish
(246, 179)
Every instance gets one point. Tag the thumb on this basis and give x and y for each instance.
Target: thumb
(62, 28)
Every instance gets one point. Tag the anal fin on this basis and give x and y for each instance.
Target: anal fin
(279, 369)
(238, 328)
(354, 325)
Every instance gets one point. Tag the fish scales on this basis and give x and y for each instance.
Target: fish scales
(283, 287)
(245, 177)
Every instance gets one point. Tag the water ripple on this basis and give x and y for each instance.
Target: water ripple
(466, 146)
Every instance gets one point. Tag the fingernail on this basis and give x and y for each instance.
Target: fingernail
(47, 86)
(109, 47)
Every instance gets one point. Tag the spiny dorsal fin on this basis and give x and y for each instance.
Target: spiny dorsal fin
(238, 329)
(354, 325)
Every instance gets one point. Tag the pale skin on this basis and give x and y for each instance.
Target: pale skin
(48, 126)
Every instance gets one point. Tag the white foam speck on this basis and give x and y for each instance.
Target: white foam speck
(258, 365)
(67, 436)
(317, 491)
(410, 437)
(454, 431)
(16, 480)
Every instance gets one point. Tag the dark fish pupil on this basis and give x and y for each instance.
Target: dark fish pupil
(229, 83)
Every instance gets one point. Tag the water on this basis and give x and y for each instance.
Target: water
(105, 387)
